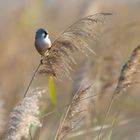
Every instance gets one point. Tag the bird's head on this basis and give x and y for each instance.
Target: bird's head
(41, 34)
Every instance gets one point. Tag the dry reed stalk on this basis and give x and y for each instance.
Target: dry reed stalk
(3, 118)
(79, 79)
(23, 116)
(75, 112)
(138, 131)
(60, 58)
(128, 71)
(96, 129)
(109, 74)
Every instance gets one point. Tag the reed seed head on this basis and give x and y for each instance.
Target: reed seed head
(23, 116)
(128, 71)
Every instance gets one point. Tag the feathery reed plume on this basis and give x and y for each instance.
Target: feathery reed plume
(23, 116)
(80, 80)
(128, 71)
(60, 57)
(75, 113)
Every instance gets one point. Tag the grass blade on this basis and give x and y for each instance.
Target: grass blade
(52, 91)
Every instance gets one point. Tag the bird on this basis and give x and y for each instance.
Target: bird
(42, 42)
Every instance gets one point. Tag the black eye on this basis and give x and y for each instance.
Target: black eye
(45, 34)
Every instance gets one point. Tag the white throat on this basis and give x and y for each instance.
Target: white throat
(47, 41)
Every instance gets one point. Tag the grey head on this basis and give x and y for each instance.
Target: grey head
(42, 41)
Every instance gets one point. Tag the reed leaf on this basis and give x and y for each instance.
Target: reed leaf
(52, 91)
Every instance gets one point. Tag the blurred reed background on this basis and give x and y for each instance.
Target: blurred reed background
(19, 21)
